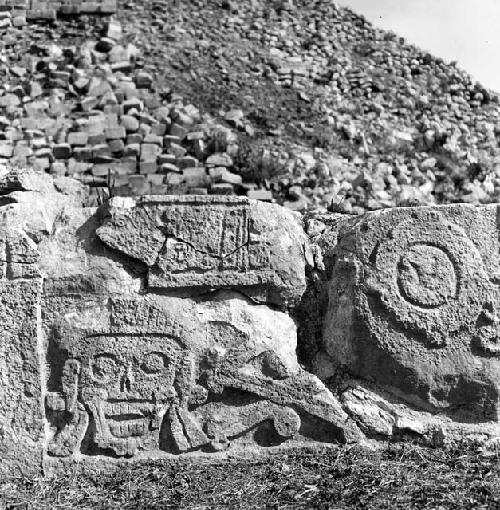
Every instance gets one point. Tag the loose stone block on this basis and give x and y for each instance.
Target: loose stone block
(149, 151)
(115, 133)
(62, 151)
(116, 146)
(6, 150)
(148, 167)
(221, 189)
(130, 123)
(195, 177)
(78, 139)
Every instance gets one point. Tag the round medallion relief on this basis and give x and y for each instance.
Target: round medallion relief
(426, 276)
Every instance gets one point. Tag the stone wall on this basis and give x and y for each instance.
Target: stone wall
(162, 327)
(151, 328)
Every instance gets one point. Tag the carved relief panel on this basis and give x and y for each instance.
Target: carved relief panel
(149, 385)
(210, 242)
(424, 301)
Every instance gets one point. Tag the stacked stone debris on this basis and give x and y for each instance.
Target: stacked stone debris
(93, 112)
(49, 9)
(384, 122)
(302, 103)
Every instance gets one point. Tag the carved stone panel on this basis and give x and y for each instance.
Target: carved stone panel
(414, 307)
(143, 381)
(213, 242)
(21, 373)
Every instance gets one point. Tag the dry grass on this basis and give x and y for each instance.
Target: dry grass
(403, 477)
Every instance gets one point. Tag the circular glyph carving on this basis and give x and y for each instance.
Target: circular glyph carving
(430, 277)
(427, 277)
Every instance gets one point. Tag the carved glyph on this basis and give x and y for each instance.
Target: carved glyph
(414, 300)
(210, 242)
(430, 276)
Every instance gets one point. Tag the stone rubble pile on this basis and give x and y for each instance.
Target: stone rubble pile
(301, 103)
(394, 124)
(92, 112)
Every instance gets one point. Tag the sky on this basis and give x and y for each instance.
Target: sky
(467, 31)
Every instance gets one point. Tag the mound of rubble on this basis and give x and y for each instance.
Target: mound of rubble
(302, 103)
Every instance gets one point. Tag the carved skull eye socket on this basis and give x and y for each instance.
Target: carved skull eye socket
(154, 363)
(105, 367)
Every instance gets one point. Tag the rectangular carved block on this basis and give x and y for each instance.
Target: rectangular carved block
(414, 306)
(212, 242)
(142, 378)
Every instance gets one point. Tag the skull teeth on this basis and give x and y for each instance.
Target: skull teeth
(128, 429)
(126, 409)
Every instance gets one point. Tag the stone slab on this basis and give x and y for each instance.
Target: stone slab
(21, 413)
(100, 368)
(214, 242)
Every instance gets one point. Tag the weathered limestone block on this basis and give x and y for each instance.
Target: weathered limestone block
(144, 377)
(21, 413)
(24, 214)
(212, 242)
(413, 309)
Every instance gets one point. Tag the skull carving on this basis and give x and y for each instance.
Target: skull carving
(127, 384)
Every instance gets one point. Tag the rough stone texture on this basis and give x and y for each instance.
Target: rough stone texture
(22, 370)
(413, 302)
(212, 242)
(21, 418)
(105, 365)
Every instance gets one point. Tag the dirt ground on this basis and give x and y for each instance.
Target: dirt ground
(396, 477)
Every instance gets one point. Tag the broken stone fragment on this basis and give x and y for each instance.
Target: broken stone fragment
(78, 139)
(62, 151)
(113, 133)
(6, 150)
(222, 188)
(260, 194)
(219, 159)
(114, 30)
(130, 123)
(195, 176)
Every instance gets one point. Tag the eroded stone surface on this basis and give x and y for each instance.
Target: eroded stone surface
(150, 329)
(160, 374)
(143, 330)
(413, 304)
(228, 242)
(22, 369)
